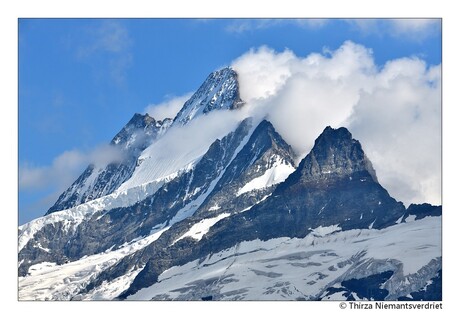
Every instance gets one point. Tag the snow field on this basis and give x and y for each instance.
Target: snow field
(48, 281)
(289, 268)
(273, 175)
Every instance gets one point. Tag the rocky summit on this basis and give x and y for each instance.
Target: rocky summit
(241, 217)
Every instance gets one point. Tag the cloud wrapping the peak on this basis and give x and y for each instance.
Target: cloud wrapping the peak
(168, 108)
(304, 93)
(394, 110)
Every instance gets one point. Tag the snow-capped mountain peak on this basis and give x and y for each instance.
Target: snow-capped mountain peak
(140, 131)
(220, 91)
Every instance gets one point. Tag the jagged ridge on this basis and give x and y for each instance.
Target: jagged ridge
(351, 199)
(96, 182)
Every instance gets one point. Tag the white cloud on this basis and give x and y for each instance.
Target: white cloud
(65, 168)
(168, 108)
(303, 95)
(399, 125)
(262, 72)
(180, 141)
(245, 25)
(394, 110)
(61, 171)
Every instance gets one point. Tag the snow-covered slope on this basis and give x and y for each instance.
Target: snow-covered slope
(48, 281)
(272, 176)
(72, 217)
(304, 268)
(184, 144)
(193, 183)
(181, 146)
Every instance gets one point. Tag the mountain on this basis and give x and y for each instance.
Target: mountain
(96, 182)
(231, 218)
(220, 91)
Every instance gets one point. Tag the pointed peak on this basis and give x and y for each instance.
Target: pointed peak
(336, 153)
(220, 91)
(265, 135)
(336, 133)
(139, 118)
(225, 71)
(142, 120)
(265, 124)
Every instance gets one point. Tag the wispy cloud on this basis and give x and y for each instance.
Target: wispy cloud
(168, 108)
(415, 29)
(245, 25)
(109, 37)
(408, 29)
(65, 168)
(312, 23)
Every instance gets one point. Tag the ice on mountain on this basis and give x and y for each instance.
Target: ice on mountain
(274, 175)
(198, 230)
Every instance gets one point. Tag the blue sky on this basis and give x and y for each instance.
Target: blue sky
(81, 80)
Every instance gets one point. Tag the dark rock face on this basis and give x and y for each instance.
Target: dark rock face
(368, 288)
(335, 155)
(432, 291)
(96, 182)
(264, 150)
(421, 211)
(333, 185)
